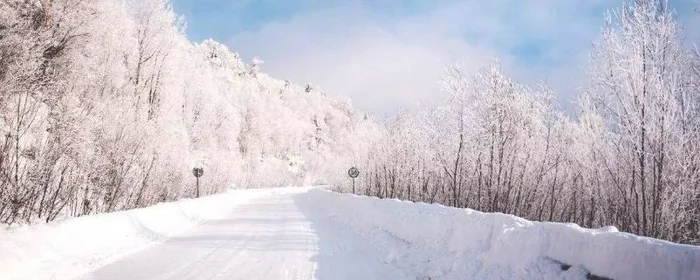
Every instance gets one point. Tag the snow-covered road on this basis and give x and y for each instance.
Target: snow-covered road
(279, 236)
(312, 233)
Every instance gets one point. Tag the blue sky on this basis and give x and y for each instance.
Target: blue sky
(387, 55)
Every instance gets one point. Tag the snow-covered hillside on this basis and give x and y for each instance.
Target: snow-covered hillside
(107, 106)
(305, 233)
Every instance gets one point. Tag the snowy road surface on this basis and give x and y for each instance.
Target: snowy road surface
(311, 233)
(274, 237)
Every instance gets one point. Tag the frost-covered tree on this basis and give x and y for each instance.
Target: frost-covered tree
(640, 87)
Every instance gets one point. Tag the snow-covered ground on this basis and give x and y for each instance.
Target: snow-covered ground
(438, 242)
(66, 249)
(312, 233)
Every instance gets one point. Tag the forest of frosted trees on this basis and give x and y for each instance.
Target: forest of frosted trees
(629, 158)
(105, 105)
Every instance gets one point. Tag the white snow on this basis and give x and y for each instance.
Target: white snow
(312, 233)
(273, 237)
(438, 242)
(66, 249)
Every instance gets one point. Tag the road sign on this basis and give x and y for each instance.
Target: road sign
(353, 172)
(198, 172)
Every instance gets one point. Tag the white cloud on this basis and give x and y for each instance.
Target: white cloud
(385, 63)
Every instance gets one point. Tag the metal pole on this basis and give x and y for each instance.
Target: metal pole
(353, 185)
(197, 186)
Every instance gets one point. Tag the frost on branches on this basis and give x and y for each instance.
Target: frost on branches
(105, 105)
(630, 159)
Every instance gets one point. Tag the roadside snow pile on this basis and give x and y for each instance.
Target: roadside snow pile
(438, 242)
(69, 248)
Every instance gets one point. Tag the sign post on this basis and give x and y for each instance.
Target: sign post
(353, 172)
(198, 172)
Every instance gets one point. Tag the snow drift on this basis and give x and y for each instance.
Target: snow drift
(438, 242)
(67, 249)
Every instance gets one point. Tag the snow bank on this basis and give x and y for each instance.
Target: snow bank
(69, 248)
(438, 242)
